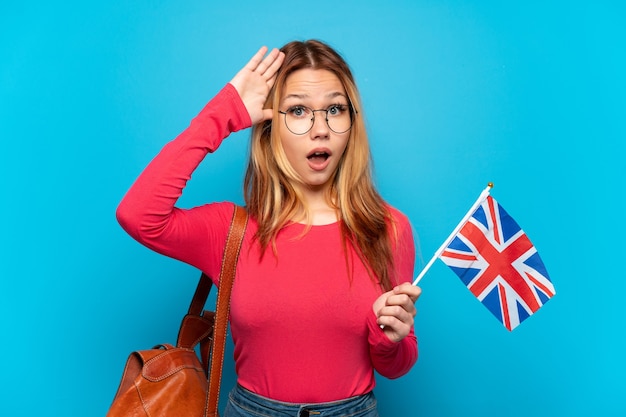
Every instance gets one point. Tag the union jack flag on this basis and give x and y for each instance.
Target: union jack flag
(497, 262)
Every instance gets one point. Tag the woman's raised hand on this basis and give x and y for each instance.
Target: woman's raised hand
(254, 81)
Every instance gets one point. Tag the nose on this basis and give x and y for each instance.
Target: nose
(320, 127)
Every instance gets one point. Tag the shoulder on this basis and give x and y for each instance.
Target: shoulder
(399, 219)
(402, 241)
(213, 221)
(224, 209)
(220, 210)
(400, 227)
(217, 216)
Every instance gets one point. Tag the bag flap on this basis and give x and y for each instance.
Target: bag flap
(168, 362)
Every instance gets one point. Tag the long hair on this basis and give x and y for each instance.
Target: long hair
(272, 199)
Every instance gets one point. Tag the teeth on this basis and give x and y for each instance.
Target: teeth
(318, 154)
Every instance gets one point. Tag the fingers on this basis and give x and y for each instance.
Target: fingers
(400, 307)
(395, 328)
(266, 65)
(411, 291)
(277, 59)
(390, 315)
(404, 295)
(267, 114)
(255, 80)
(395, 322)
(396, 316)
(256, 59)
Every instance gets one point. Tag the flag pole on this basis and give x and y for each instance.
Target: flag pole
(445, 244)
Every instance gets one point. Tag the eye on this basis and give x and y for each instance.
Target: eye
(298, 111)
(336, 109)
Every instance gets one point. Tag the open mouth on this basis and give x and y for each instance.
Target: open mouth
(318, 157)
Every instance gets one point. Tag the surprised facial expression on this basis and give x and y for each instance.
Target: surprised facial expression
(314, 153)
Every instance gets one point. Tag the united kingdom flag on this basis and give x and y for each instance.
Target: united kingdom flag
(497, 262)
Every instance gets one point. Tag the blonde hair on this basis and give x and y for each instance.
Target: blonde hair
(271, 197)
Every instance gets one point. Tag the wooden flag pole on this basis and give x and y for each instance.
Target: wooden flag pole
(445, 244)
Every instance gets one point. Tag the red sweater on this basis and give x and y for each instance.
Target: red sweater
(303, 330)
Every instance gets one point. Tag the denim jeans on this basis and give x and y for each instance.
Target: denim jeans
(243, 403)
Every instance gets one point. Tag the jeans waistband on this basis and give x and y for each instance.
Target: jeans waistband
(243, 402)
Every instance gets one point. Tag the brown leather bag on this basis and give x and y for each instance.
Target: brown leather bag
(169, 381)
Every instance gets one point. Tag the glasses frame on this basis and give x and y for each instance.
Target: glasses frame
(351, 109)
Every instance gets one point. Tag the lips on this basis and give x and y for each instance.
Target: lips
(318, 156)
(318, 159)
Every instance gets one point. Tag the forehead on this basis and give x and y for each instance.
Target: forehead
(313, 84)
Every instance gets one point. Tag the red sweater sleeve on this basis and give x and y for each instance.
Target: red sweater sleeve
(148, 213)
(391, 359)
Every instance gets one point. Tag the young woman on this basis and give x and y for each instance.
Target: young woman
(322, 293)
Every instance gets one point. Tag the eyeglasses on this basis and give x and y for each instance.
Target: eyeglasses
(300, 119)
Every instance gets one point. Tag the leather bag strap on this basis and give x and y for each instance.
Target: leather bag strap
(227, 276)
(201, 295)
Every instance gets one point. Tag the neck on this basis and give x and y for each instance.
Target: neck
(320, 210)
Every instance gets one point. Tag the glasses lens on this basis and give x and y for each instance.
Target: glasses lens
(300, 120)
(339, 118)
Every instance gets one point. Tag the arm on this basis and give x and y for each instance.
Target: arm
(148, 211)
(393, 348)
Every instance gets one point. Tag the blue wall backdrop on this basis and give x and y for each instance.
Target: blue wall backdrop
(529, 95)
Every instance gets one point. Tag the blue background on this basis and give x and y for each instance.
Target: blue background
(529, 95)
